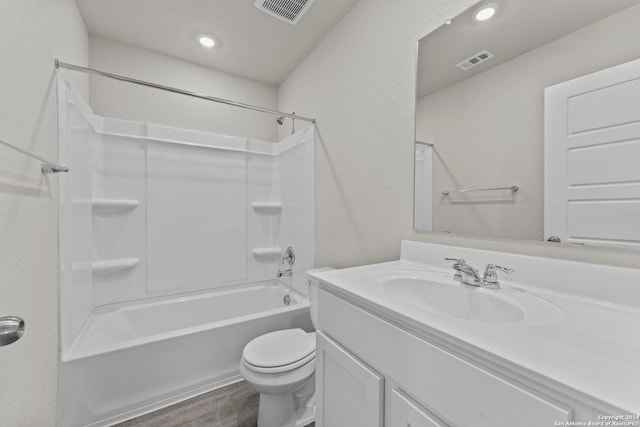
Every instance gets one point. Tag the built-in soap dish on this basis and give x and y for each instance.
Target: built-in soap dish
(272, 252)
(105, 206)
(267, 208)
(101, 268)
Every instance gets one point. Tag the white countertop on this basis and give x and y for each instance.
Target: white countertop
(593, 347)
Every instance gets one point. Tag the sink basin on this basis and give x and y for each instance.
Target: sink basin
(439, 292)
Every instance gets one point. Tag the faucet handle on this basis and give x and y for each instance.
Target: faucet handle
(289, 256)
(458, 261)
(490, 274)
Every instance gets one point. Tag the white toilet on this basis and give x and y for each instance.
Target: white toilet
(280, 366)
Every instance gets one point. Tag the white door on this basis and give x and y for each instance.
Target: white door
(348, 393)
(422, 190)
(592, 158)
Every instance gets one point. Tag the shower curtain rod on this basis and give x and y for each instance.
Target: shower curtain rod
(45, 168)
(60, 64)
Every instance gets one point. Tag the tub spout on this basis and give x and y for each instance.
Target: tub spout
(288, 272)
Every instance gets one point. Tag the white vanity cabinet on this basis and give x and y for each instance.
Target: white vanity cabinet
(425, 384)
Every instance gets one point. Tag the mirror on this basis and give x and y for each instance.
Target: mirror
(480, 106)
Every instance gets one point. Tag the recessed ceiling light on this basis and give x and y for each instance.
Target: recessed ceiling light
(206, 41)
(485, 12)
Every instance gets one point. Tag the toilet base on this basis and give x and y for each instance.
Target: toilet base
(276, 410)
(307, 413)
(280, 411)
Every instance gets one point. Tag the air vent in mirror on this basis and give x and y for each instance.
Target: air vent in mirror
(474, 60)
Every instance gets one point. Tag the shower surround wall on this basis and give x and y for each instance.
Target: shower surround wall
(153, 216)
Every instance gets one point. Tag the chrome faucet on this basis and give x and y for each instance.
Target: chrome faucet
(465, 273)
(289, 257)
(490, 278)
(288, 272)
(468, 275)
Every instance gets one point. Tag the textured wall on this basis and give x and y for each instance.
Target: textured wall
(359, 84)
(128, 101)
(32, 34)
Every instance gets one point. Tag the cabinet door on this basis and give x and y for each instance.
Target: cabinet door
(406, 413)
(348, 392)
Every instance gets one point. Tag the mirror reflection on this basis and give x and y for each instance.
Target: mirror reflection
(480, 113)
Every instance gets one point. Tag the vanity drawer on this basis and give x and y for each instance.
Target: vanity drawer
(404, 412)
(458, 391)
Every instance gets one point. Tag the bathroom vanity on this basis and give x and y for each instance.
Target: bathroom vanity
(404, 344)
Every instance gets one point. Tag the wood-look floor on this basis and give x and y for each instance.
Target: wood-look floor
(233, 406)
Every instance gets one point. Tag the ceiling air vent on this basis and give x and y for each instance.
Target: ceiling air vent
(290, 11)
(474, 60)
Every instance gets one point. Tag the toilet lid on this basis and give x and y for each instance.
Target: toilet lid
(279, 348)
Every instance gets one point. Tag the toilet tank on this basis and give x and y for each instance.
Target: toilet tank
(313, 295)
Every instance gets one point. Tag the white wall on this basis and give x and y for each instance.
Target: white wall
(32, 34)
(359, 83)
(112, 98)
(476, 150)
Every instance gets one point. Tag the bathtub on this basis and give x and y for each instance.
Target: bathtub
(134, 358)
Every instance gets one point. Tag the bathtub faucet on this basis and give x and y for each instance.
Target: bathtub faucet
(288, 272)
(288, 257)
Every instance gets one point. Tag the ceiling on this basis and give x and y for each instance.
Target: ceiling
(518, 27)
(251, 43)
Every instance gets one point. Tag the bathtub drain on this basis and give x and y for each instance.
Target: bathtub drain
(287, 299)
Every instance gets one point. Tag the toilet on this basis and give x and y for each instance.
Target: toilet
(280, 366)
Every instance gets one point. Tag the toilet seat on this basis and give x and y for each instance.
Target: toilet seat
(280, 351)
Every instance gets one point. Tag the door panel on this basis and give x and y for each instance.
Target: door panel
(610, 103)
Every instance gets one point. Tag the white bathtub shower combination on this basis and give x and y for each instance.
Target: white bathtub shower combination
(171, 242)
